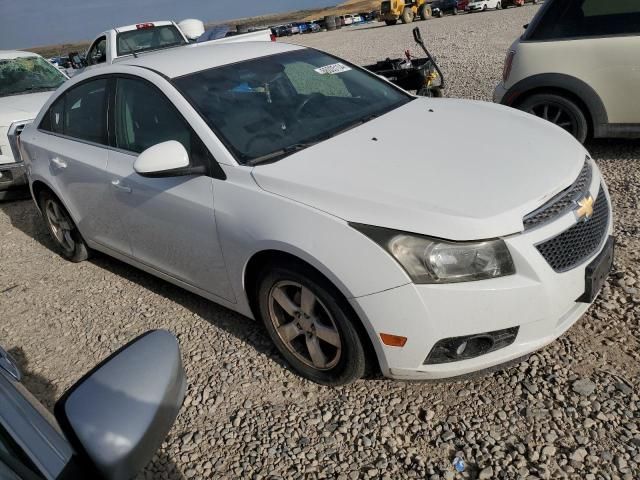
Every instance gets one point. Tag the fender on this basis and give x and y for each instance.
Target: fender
(578, 88)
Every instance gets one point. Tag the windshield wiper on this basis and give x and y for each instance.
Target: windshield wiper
(280, 154)
(296, 147)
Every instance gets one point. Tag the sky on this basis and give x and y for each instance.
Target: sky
(30, 23)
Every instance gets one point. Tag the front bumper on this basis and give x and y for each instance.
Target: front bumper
(474, 8)
(13, 181)
(538, 300)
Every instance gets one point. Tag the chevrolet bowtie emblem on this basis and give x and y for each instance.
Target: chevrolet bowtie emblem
(585, 210)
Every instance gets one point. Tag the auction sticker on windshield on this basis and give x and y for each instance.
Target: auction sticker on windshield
(332, 69)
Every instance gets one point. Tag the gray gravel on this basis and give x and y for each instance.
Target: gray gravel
(570, 411)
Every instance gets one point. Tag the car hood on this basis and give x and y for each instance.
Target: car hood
(21, 107)
(421, 169)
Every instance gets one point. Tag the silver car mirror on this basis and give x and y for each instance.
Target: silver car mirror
(118, 414)
(162, 160)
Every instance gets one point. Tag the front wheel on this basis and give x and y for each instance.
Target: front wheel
(498, 6)
(455, 10)
(62, 229)
(407, 16)
(309, 323)
(560, 111)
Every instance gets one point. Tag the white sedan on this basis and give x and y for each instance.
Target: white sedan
(483, 5)
(275, 180)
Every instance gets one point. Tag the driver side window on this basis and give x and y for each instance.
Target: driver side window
(98, 52)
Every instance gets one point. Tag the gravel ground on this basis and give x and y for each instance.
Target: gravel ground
(570, 411)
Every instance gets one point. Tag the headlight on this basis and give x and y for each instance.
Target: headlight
(431, 260)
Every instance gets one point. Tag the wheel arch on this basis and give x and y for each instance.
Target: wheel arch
(37, 187)
(571, 87)
(260, 260)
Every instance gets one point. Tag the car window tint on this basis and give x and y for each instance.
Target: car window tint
(52, 121)
(588, 18)
(263, 106)
(144, 117)
(85, 113)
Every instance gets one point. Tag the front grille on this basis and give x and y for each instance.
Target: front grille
(575, 245)
(561, 203)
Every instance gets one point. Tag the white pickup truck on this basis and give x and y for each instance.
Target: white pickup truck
(114, 44)
(26, 83)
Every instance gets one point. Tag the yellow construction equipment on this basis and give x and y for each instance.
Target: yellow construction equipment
(404, 10)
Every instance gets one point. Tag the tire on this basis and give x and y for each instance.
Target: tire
(391, 22)
(63, 231)
(484, 7)
(440, 14)
(498, 6)
(343, 364)
(407, 16)
(425, 12)
(455, 11)
(560, 111)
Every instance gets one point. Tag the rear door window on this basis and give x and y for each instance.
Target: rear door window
(566, 19)
(81, 113)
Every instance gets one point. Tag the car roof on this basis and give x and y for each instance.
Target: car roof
(179, 61)
(10, 54)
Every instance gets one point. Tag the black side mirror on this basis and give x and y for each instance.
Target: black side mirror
(525, 26)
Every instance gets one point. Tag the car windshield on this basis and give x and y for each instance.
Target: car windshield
(148, 38)
(267, 108)
(27, 75)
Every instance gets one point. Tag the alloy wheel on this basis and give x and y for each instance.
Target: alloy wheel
(60, 225)
(305, 325)
(557, 115)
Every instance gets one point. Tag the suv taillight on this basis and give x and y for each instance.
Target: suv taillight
(508, 63)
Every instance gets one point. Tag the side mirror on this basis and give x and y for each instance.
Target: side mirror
(525, 26)
(118, 414)
(166, 159)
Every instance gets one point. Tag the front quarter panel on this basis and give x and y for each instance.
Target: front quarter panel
(251, 220)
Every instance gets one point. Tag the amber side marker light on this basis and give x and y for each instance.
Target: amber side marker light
(393, 340)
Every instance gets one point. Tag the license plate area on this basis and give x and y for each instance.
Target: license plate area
(597, 271)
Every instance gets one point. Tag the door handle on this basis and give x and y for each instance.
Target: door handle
(119, 186)
(55, 161)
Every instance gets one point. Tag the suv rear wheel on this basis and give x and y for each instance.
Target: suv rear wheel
(560, 111)
(62, 229)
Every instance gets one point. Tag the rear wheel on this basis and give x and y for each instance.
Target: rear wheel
(407, 15)
(455, 10)
(498, 6)
(391, 22)
(62, 229)
(560, 111)
(425, 12)
(307, 319)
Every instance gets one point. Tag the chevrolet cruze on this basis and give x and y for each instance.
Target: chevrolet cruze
(274, 180)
